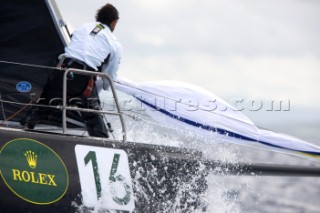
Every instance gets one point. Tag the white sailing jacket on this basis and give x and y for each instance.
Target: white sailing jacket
(92, 43)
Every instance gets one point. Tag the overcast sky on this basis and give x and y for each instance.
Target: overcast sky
(250, 49)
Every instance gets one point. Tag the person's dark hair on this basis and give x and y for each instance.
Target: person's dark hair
(107, 14)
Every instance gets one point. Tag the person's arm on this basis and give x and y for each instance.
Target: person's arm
(112, 66)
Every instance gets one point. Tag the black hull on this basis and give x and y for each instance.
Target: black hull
(164, 179)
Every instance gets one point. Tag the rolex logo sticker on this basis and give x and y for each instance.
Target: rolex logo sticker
(33, 171)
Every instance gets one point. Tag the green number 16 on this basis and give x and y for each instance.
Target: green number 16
(91, 156)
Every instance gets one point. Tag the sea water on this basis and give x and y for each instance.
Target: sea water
(234, 193)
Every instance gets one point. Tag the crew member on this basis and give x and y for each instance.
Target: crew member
(93, 47)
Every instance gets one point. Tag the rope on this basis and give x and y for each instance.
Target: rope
(16, 113)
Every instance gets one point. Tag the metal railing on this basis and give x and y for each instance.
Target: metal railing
(65, 107)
